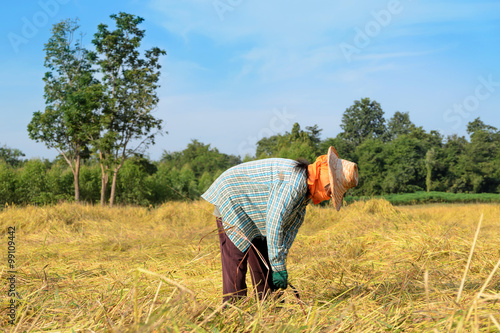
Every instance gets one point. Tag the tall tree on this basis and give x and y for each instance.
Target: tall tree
(399, 124)
(72, 97)
(130, 82)
(449, 168)
(477, 125)
(482, 157)
(363, 120)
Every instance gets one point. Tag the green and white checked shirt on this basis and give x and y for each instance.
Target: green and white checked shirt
(262, 198)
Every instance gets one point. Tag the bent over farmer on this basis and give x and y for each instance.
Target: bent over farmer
(259, 207)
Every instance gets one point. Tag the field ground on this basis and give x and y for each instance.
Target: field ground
(371, 267)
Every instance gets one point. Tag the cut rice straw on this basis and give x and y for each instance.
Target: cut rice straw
(154, 300)
(469, 260)
(426, 283)
(488, 279)
(495, 321)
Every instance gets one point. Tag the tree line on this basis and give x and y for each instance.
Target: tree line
(393, 156)
(396, 156)
(176, 176)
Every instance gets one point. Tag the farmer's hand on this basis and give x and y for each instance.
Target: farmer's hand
(280, 279)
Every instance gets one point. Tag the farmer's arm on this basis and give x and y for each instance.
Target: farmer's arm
(283, 199)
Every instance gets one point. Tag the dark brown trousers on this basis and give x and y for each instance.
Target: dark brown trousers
(234, 267)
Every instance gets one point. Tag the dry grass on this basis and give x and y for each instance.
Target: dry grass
(371, 267)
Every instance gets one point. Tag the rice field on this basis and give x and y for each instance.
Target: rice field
(372, 267)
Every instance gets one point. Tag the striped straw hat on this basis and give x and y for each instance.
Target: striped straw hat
(343, 176)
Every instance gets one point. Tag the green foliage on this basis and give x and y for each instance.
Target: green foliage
(344, 148)
(293, 145)
(32, 187)
(407, 158)
(72, 96)
(477, 125)
(205, 181)
(7, 184)
(130, 85)
(11, 156)
(132, 185)
(371, 166)
(363, 120)
(399, 165)
(90, 187)
(201, 158)
(59, 180)
(405, 171)
(430, 161)
(421, 197)
(399, 124)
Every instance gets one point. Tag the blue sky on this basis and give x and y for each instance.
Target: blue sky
(239, 70)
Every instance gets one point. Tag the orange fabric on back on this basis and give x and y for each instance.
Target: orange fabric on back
(318, 179)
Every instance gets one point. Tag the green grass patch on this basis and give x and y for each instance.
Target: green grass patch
(422, 197)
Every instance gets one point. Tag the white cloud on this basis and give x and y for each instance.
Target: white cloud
(283, 23)
(276, 64)
(393, 55)
(299, 23)
(290, 39)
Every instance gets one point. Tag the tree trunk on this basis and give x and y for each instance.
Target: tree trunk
(104, 184)
(428, 180)
(113, 189)
(76, 175)
(429, 163)
(113, 184)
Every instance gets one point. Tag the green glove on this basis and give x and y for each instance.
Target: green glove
(280, 279)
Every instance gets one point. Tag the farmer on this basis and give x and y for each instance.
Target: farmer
(259, 207)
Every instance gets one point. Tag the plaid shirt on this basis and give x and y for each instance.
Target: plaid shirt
(262, 198)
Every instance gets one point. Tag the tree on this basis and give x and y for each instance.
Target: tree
(482, 157)
(477, 125)
(399, 124)
(372, 167)
(11, 156)
(72, 97)
(133, 181)
(201, 158)
(130, 84)
(449, 169)
(363, 120)
(293, 145)
(345, 148)
(268, 147)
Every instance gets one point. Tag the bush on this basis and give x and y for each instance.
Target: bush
(7, 184)
(32, 183)
(90, 183)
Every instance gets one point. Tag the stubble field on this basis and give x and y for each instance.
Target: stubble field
(371, 267)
